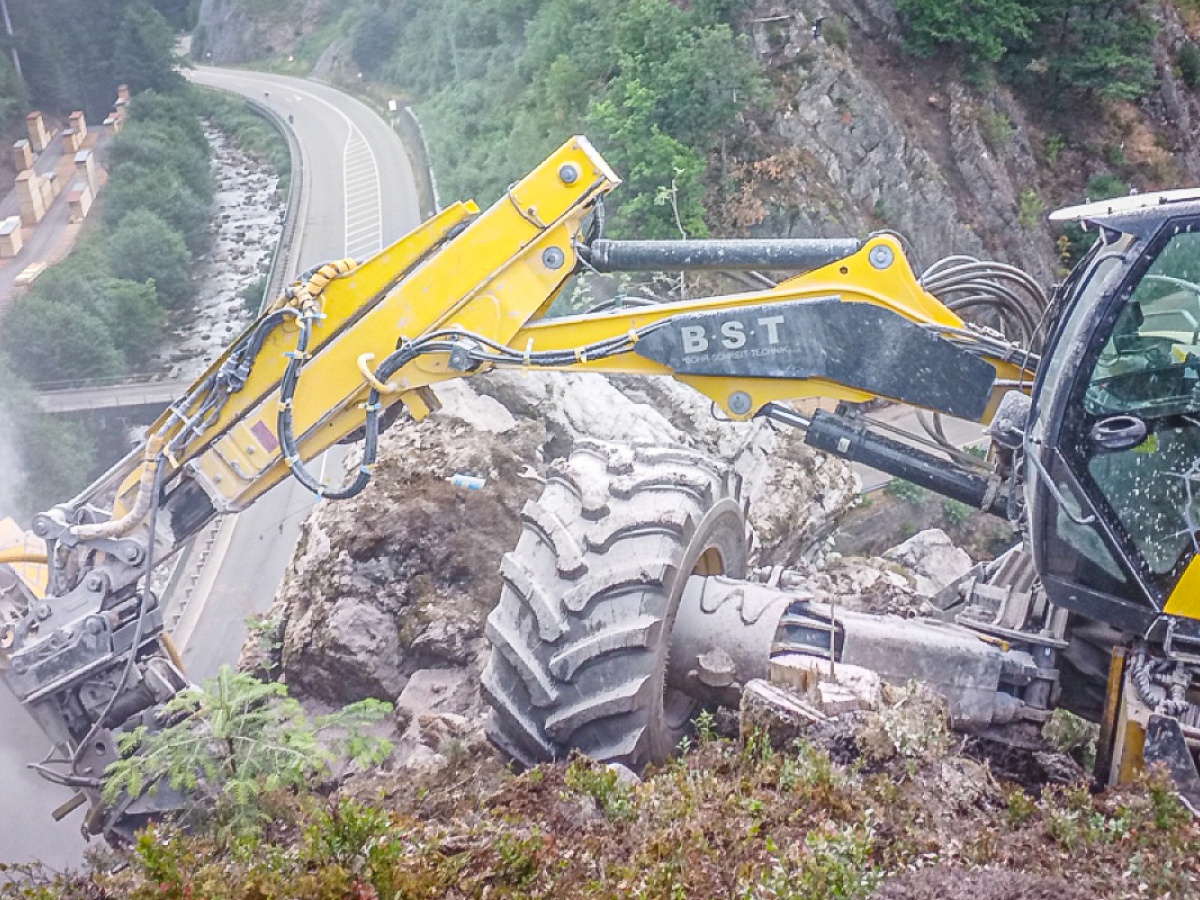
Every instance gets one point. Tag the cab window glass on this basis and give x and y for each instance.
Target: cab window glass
(1150, 364)
(1153, 489)
(1146, 381)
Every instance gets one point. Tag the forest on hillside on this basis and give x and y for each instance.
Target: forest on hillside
(103, 310)
(72, 54)
(670, 90)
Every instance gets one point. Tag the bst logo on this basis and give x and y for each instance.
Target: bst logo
(732, 335)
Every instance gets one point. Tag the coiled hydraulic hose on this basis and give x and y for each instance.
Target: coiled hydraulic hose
(143, 504)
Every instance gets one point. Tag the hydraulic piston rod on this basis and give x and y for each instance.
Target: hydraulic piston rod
(791, 254)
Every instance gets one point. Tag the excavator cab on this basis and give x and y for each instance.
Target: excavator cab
(1113, 441)
(1112, 450)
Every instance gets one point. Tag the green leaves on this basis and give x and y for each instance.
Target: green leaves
(143, 56)
(74, 53)
(144, 248)
(982, 31)
(239, 739)
(1100, 47)
(659, 86)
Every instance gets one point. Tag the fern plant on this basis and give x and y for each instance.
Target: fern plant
(235, 740)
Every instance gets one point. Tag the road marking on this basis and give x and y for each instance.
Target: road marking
(363, 193)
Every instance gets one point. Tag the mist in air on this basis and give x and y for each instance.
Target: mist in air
(28, 832)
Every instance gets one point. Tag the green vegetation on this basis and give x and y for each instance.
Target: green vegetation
(658, 87)
(1030, 208)
(997, 130)
(1189, 64)
(238, 739)
(251, 132)
(14, 99)
(102, 311)
(905, 491)
(144, 248)
(753, 821)
(982, 32)
(1062, 49)
(1105, 186)
(74, 53)
(837, 32)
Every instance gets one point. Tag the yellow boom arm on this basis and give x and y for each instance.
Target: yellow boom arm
(484, 280)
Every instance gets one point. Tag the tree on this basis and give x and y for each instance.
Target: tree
(58, 341)
(663, 174)
(180, 14)
(238, 738)
(14, 99)
(134, 318)
(982, 30)
(66, 52)
(143, 57)
(1098, 46)
(144, 247)
(374, 39)
(162, 191)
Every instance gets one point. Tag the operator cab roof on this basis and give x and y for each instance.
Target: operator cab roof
(1138, 214)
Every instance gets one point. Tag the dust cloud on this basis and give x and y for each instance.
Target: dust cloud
(11, 475)
(27, 832)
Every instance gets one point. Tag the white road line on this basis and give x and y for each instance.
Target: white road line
(358, 160)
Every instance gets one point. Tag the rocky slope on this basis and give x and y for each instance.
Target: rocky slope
(229, 32)
(862, 145)
(866, 137)
(861, 136)
(387, 594)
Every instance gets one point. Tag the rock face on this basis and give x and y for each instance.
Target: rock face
(860, 148)
(228, 33)
(388, 592)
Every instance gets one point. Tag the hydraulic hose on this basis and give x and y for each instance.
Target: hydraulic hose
(144, 502)
(17, 555)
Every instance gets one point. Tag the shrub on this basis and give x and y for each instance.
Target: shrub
(237, 739)
(1189, 64)
(997, 130)
(981, 31)
(1106, 186)
(57, 341)
(1054, 146)
(837, 33)
(1029, 208)
(905, 491)
(143, 247)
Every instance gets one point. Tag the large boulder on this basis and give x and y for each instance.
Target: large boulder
(400, 579)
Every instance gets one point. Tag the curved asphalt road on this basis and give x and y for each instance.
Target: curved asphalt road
(361, 195)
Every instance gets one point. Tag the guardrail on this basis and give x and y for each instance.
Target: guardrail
(43, 387)
(278, 275)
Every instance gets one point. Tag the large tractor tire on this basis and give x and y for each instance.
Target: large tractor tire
(581, 635)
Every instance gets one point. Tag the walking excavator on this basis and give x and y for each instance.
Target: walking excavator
(626, 604)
